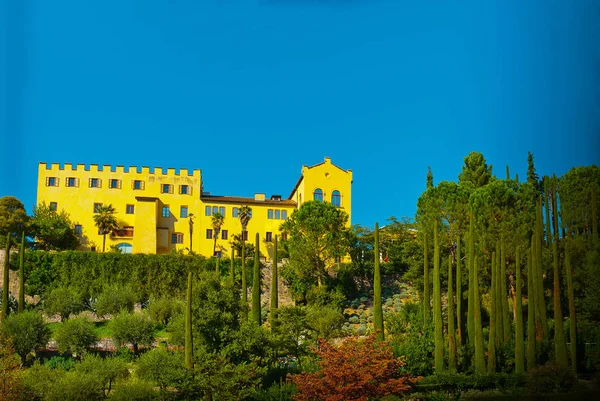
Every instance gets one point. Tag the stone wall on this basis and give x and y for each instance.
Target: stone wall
(13, 276)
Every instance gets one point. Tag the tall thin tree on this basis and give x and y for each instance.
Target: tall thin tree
(560, 347)
(256, 279)
(377, 305)
(493, 320)
(572, 314)
(437, 301)
(477, 327)
(519, 347)
(244, 215)
(531, 308)
(426, 298)
(5, 289)
(451, 329)
(274, 286)
(189, 353)
(459, 297)
(471, 291)
(22, 274)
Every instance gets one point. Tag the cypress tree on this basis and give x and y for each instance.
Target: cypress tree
(560, 348)
(22, 274)
(256, 283)
(477, 328)
(217, 267)
(274, 286)
(437, 302)
(541, 300)
(594, 212)
(377, 306)
(531, 279)
(459, 297)
(232, 267)
(493, 320)
(189, 353)
(471, 291)
(498, 298)
(426, 299)
(451, 335)
(5, 288)
(572, 315)
(507, 173)
(519, 341)
(244, 283)
(547, 208)
(504, 292)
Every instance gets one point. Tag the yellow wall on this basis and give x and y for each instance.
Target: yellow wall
(152, 232)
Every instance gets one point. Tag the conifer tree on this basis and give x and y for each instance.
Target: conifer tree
(519, 347)
(274, 286)
(377, 306)
(189, 353)
(459, 297)
(540, 299)
(493, 320)
(499, 330)
(437, 302)
(572, 315)
(232, 267)
(217, 267)
(531, 308)
(5, 281)
(471, 291)
(451, 332)
(244, 283)
(504, 292)
(560, 348)
(477, 328)
(22, 274)
(426, 299)
(547, 208)
(595, 213)
(256, 283)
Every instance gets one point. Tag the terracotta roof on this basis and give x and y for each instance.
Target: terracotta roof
(240, 200)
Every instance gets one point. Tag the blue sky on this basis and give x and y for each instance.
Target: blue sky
(250, 90)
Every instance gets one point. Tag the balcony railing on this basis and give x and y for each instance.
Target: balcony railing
(123, 232)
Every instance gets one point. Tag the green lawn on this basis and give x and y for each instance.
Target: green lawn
(103, 330)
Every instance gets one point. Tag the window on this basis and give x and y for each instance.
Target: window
(166, 188)
(184, 189)
(235, 212)
(130, 209)
(114, 183)
(94, 183)
(318, 195)
(217, 254)
(277, 214)
(215, 209)
(78, 229)
(138, 184)
(72, 182)
(177, 238)
(284, 214)
(183, 212)
(207, 210)
(208, 233)
(336, 198)
(222, 211)
(269, 237)
(165, 211)
(53, 206)
(270, 214)
(97, 207)
(245, 235)
(51, 182)
(224, 234)
(284, 236)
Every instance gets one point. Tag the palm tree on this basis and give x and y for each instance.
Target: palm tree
(217, 221)
(244, 214)
(106, 222)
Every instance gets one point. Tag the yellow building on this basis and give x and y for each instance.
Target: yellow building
(159, 211)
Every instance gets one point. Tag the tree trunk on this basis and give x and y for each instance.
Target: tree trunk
(103, 243)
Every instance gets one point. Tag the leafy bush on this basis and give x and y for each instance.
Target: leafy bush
(59, 362)
(162, 367)
(115, 299)
(134, 391)
(76, 335)
(64, 301)
(320, 296)
(163, 309)
(134, 328)
(107, 370)
(276, 392)
(354, 319)
(26, 332)
(550, 378)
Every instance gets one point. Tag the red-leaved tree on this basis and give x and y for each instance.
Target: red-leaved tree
(355, 371)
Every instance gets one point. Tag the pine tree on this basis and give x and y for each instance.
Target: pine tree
(459, 297)
(377, 306)
(426, 299)
(256, 283)
(560, 348)
(274, 286)
(477, 328)
(572, 315)
(437, 302)
(471, 291)
(22, 274)
(504, 292)
(493, 320)
(519, 341)
(451, 332)
(5, 281)
(189, 353)
(531, 308)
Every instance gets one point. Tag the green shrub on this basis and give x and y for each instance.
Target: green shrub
(76, 335)
(163, 368)
(362, 330)
(276, 392)
(133, 328)
(134, 391)
(107, 370)
(75, 386)
(163, 309)
(354, 319)
(550, 378)
(64, 301)
(59, 362)
(26, 332)
(114, 300)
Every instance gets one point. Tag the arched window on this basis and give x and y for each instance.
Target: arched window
(124, 247)
(336, 198)
(318, 195)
